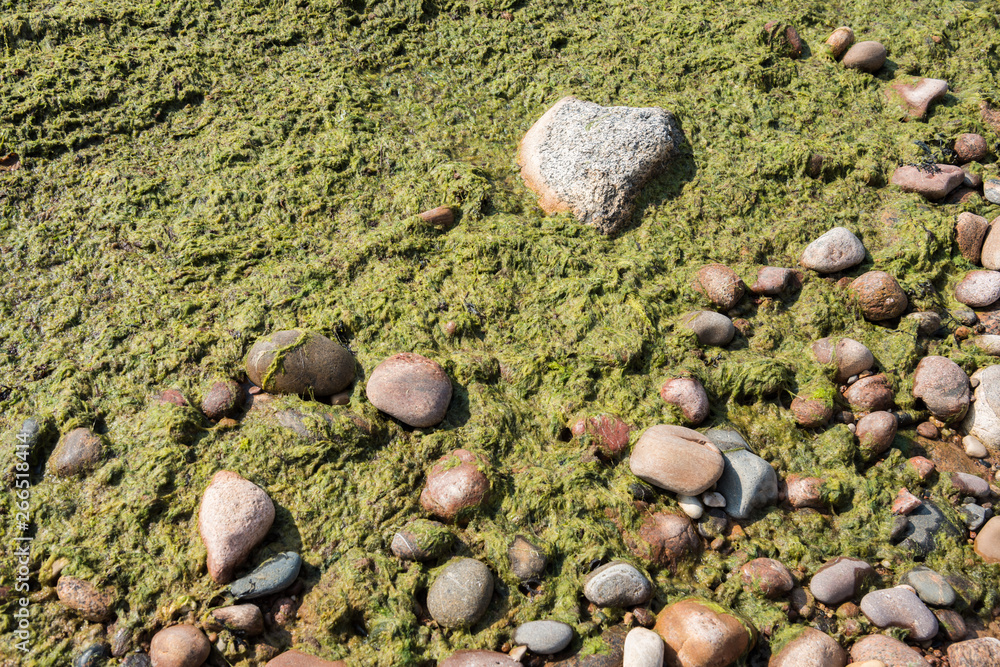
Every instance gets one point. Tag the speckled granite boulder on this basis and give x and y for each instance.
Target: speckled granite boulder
(592, 160)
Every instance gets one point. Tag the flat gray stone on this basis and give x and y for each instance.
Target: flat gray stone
(592, 160)
(617, 584)
(927, 523)
(900, 608)
(839, 580)
(931, 587)
(543, 637)
(461, 593)
(974, 516)
(273, 575)
(748, 482)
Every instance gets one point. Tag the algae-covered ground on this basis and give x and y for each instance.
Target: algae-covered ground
(185, 177)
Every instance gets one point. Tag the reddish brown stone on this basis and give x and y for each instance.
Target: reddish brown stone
(689, 395)
(698, 633)
(179, 646)
(805, 491)
(811, 413)
(222, 400)
(85, 599)
(971, 148)
(879, 295)
(666, 538)
(773, 280)
(172, 397)
(721, 285)
(923, 466)
(927, 430)
(454, 484)
(876, 431)
(979, 652)
(933, 182)
(916, 97)
(870, 394)
(768, 575)
(609, 433)
(297, 659)
(905, 502)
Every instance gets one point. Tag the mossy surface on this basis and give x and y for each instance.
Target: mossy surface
(195, 175)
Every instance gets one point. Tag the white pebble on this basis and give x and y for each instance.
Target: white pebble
(691, 506)
(713, 499)
(643, 648)
(974, 447)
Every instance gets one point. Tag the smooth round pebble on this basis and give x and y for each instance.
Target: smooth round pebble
(850, 356)
(643, 648)
(837, 250)
(527, 559)
(865, 56)
(970, 232)
(244, 618)
(928, 322)
(299, 362)
(987, 543)
(748, 482)
(891, 652)
(93, 656)
(461, 593)
(691, 506)
(84, 598)
(234, 516)
(839, 580)
(990, 254)
(543, 637)
(812, 648)
(222, 400)
(811, 413)
(773, 280)
(900, 608)
(804, 491)
(974, 447)
(701, 633)
(970, 485)
(677, 459)
(665, 538)
(979, 289)
(840, 40)
(412, 388)
(870, 394)
(988, 343)
(970, 147)
(617, 584)
(179, 646)
(930, 586)
(980, 652)
(769, 576)
(710, 327)
(273, 575)
(78, 451)
(454, 484)
(689, 395)
(876, 431)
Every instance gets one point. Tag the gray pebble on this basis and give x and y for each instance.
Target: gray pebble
(617, 584)
(527, 560)
(974, 516)
(931, 587)
(748, 482)
(926, 523)
(137, 660)
(544, 637)
(965, 315)
(273, 575)
(900, 608)
(710, 327)
(991, 190)
(840, 579)
(837, 250)
(461, 593)
(94, 656)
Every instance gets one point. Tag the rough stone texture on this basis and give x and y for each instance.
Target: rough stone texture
(172, 397)
(870, 394)
(234, 516)
(987, 542)
(613, 638)
(865, 56)
(850, 356)
(297, 659)
(979, 289)
(812, 648)
(981, 652)
(479, 659)
(454, 484)
(879, 296)
(876, 431)
(179, 646)
(643, 648)
(930, 586)
(989, 344)
(273, 575)
(970, 232)
(299, 362)
(593, 161)
(773, 280)
(990, 255)
(617, 584)
(811, 413)
(982, 419)
(136, 660)
(412, 388)
(460, 594)
(840, 40)
(689, 395)
(970, 485)
(676, 459)
(665, 538)
(892, 652)
(244, 618)
(971, 148)
(543, 637)
(974, 515)
(837, 250)
(84, 598)
(926, 523)
(900, 608)
(699, 634)
(932, 184)
(905, 502)
(839, 580)
(721, 285)
(991, 190)
(527, 560)
(748, 482)
(953, 623)
(608, 432)
(222, 400)
(422, 540)
(710, 327)
(767, 575)
(78, 451)
(916, 97)
(971, 180)
(804, 491)
(923, 465)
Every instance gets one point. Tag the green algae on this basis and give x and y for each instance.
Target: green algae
(194, 176)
